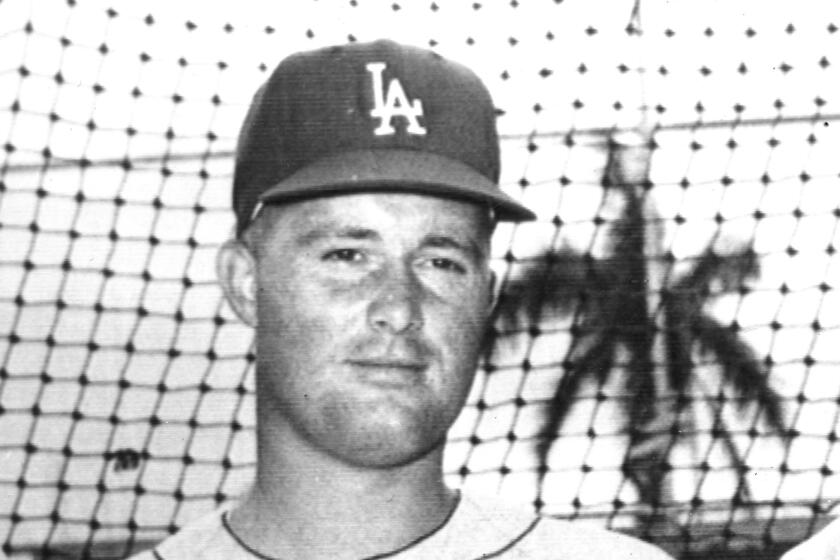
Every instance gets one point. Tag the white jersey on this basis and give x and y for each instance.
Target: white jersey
(825, 545)
(478, 529)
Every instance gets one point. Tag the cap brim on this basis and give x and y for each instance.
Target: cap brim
(396, 171)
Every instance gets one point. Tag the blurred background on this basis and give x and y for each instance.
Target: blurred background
(666, 347)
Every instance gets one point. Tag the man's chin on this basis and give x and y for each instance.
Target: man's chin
(387, 443)
(383, 455)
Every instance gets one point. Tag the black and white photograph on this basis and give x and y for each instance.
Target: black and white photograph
(445, 280)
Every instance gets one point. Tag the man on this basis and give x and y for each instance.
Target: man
(366, 193)
(825, 545)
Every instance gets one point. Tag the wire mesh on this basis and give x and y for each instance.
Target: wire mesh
(126, 393)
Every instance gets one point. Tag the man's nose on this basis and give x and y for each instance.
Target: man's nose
(397, 308)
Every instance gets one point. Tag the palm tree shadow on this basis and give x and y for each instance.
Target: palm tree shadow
(609, 301)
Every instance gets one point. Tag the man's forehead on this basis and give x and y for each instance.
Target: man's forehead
(360, 211)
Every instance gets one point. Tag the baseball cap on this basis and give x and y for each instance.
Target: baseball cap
(363, 117)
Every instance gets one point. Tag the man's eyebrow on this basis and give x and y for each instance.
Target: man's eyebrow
(321, 233)
(469, 246)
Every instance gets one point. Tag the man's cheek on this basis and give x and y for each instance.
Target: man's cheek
(470, 323)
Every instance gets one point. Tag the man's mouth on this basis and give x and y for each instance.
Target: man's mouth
(390, 372)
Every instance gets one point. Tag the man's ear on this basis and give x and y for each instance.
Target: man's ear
(236, 269)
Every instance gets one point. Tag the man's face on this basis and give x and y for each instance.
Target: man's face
(371, 309)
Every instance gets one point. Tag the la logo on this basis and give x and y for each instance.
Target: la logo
(393, 103)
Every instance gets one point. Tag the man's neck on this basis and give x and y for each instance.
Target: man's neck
(305, 505)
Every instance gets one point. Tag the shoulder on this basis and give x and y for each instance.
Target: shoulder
(146, 555)
(825, 545)
(578, 540)
(516, 532)
(206, 537)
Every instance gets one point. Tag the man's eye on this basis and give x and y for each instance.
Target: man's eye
(448, 265)
(344, 255)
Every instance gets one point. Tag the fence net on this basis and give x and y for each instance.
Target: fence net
(666, 348)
